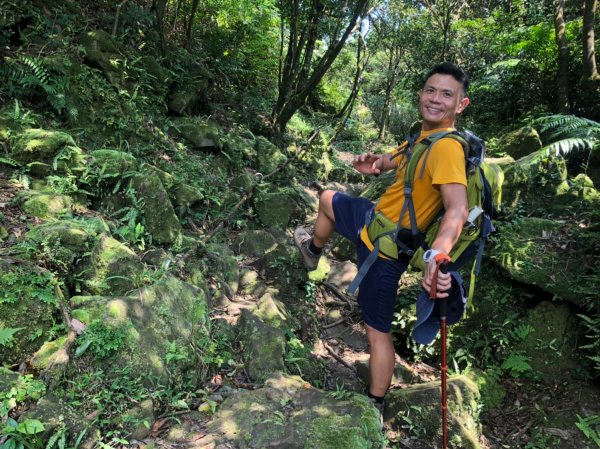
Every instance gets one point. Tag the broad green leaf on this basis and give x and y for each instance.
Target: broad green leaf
(30, 427)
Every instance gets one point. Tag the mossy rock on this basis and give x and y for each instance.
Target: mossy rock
(536, 187)
(28, 309)
(190, 90)
(72, 235)
(40, 145)
(199, 133)
(113, 163)
(269, 156)
(160, 220)
(161, 77)
(581, 188)
(421, 403)
(55, 413)
(553, 255)
(263, 347)
(273, 311)
(111, 268)
(224, 265)
(255, 243)
(277, 208)
(289, 413)
(185, 195)
(100, 51)
(168, 315)
(240, 151)
(47, 206)
(549, 347)
(491, 390)
(47, 354)
(521, 142)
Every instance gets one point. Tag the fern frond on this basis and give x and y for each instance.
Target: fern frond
(563, 148)
(560, 126)
(10, 162)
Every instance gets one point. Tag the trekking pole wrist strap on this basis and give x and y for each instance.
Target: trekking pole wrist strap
(435, 255)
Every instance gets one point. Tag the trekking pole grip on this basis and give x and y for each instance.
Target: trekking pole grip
(443, 267)
(441, 264)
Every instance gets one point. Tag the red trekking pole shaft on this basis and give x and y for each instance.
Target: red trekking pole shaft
(444, 365)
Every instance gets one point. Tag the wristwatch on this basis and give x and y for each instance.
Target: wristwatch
(430, 254)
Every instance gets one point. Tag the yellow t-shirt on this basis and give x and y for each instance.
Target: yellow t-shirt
(445, 164)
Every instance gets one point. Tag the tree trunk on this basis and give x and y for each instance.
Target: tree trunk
(296, 81)
(190, 24)
(159, 7)
(590, 70)
(563, 59)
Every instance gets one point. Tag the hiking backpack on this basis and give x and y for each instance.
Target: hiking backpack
(484, 182)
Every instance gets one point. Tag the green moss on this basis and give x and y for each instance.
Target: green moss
(27, 303)
(337, 432)
(46, 353)
(46, 206)
(492, 392)
(39, 145)
(81, 315)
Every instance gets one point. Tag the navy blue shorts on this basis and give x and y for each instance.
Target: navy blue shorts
(379, 288)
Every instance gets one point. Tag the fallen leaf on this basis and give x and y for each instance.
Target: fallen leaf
(160, 426)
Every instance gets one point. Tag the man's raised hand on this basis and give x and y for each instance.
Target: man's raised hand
(368, 163)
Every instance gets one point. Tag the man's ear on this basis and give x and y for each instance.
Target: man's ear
(462, 105)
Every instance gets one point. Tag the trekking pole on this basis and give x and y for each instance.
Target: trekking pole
(441, 266)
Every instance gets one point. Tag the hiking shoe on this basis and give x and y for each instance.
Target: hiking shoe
(380, 407)
(302, 240)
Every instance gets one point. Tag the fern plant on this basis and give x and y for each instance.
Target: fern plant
(567, 134)
(30, 72)
(590, 426)
(593, 334)
(517, 365)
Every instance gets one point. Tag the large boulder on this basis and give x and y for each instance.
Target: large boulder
(239, 149)
(533, 185)
(549, 346)
(47, 151)
(289, 413)
(521, 142)
(278, 207)
(111, 268)
(198, 133)
(106, 167)
(269, 157)
(556, 256)
(168, 317)
(55, 413)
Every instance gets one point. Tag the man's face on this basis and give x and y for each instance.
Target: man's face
(441, 101)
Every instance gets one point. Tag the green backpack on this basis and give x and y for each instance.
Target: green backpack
(484, 182)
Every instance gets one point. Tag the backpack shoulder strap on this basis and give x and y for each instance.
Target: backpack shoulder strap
(419, 149)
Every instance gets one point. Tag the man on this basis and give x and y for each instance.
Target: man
(442, 185)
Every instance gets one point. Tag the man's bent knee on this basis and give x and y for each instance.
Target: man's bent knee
(326, 202)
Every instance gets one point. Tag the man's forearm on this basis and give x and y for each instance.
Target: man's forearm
(450, 229)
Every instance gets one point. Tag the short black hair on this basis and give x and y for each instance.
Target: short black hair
(448, 68)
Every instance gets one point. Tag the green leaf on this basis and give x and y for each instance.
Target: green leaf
(30, 427)
(6, 335)
(9, 444)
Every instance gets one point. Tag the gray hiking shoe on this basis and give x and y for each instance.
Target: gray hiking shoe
(380, 407)
(302, 240)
